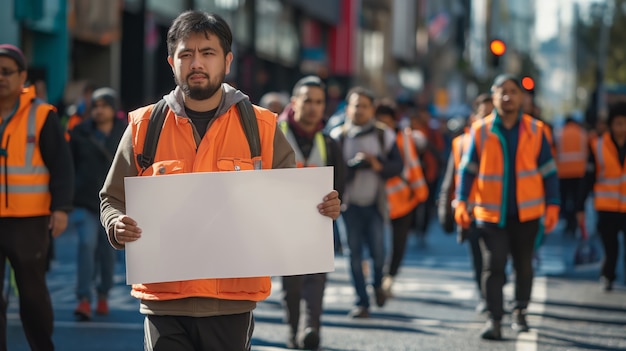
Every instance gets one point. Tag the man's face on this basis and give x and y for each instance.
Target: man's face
(507, 98)
(101, 112)
(199, 65)
(308, 105)
(11, 79)
(618, 127)
(360, 109)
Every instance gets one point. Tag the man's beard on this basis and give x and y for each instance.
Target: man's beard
(200, 93)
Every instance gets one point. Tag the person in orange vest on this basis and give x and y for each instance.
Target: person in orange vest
(482, 107)
(82, 110)
(571, 158)
(36, 192)
(606, 177)
(201, 127)
(302, 124)
(509, 163)
(404, 192)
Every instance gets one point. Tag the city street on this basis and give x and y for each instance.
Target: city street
(432, 308)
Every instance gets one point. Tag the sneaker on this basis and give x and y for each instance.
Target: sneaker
(83, 310)
(359, 312)
(387, 283)
(102, 307)
(381, 297)
(519, 323)
(481, 307)
(311, 339)
(607, 285)
(492, 330)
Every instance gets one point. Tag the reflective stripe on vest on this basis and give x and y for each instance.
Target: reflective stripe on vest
(610, 187)
(318, 156)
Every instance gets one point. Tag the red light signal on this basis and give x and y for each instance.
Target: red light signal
(528, 83)
(498, 47)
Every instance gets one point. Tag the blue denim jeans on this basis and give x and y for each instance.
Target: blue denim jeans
(364, 226)
(96, 257)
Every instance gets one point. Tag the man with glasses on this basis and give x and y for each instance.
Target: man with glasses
(36, 192)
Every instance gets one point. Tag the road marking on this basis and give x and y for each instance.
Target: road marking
(528, 341)
(87, 325)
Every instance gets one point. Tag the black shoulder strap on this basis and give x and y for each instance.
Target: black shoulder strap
(155, 124)
(250, 126)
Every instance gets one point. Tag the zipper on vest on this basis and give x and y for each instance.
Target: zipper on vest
(6, 173)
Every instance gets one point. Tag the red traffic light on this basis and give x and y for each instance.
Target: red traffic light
(498, 47)
(528, 83)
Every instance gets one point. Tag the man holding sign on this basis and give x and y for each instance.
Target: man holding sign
(202, 132)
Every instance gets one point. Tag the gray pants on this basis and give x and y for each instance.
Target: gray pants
(310, 288)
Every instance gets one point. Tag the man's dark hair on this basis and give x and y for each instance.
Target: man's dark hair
(617, 109)
(198, 22)
(385, 107)
(358, 90)
(481, 99)
(308, 81)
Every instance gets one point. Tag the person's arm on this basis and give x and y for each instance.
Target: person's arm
(468, 169)
(587, 183)
(57, 157)
(393, 164)
(112, 195)
(444, 203)
(284, 156)
(547, 168)
(335, 159)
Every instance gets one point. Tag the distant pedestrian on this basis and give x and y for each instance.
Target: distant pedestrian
(606, 177)
(509, 163)
(36, 191)
(93, 143)
(372, 157)
(302, 126)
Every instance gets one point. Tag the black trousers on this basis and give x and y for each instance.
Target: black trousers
(24, 242)
(473, 238)
(569, 188)
(609, 226)
(400, 228)
(307, 287)
(231, 332)
(517, 239)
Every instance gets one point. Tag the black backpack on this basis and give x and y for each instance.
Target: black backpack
(157, 117)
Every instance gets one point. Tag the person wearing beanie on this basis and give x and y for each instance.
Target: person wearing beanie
(93, 143)
(606, 177)
(36, 195)
(510, 191)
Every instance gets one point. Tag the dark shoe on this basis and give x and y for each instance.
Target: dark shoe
(607, 285)
(481, 307)
(492, 330)
(359, 312)
(519, 323)
(381, 297)
(83, 310)
(311, 339)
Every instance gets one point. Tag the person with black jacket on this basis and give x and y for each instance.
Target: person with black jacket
(301, 122)
(93, 143)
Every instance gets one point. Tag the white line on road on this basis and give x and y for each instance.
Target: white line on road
(528, 341)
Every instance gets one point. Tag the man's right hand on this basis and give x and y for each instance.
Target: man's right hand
(461, 216)
(126, 230)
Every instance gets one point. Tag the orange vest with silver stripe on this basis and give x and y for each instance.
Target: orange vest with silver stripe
(572, 152)
(406, 191)
(223, 148)
(24, 177)
(610, 187)
(490, 178)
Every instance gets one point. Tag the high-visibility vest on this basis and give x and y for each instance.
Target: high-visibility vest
(459, 146)
(224, 147)
(406, 191)
(610, 187)
(572, 152)
(491, 182)
(24, 178)
(318, 156)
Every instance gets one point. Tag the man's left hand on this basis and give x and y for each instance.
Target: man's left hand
(58, 222)
(331, 207)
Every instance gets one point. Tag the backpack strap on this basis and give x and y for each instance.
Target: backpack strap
(155, 124)
(250, 126)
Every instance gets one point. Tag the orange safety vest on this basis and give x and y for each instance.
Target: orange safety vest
(490, 179)
(24, 181)
(223, 148)
(460, 145)
(72, 122)
(610, 188)
(572, 152)
(406, 191)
